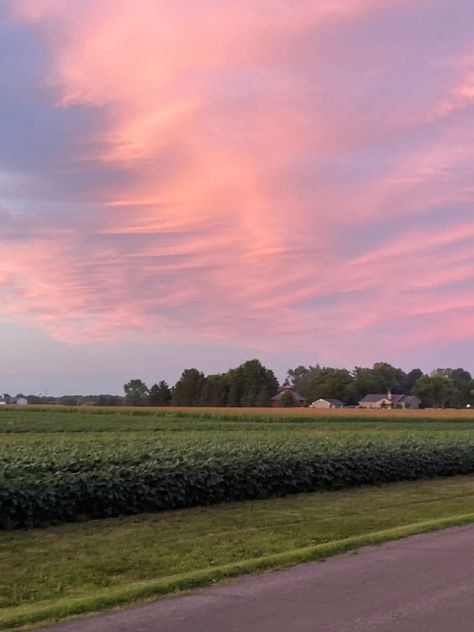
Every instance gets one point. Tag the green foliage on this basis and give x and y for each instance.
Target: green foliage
(316, 381)
(412, 377)
(250, 384)
(117, 561)
(435, 390)
(160, 394)
(214, 391)
(381, 378)
(443, 388)
(264, 397)
(461, 384)
(188, 389)
(50, 475)
(136, 393)
(287, 400)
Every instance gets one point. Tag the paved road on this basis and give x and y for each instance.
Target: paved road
(420, 584)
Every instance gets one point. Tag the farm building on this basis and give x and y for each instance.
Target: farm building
(389, 400)
(281, 396)
(327, 403)
(17, 401)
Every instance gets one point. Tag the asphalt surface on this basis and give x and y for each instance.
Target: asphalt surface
(424, 583)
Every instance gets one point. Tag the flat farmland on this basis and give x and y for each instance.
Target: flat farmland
(67, 464)
(427, 413)
(101, 507)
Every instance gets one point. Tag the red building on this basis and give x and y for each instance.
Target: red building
(298, 400)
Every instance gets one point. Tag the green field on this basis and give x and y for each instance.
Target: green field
(73, 465)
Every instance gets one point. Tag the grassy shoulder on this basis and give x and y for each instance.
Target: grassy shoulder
(77, 568)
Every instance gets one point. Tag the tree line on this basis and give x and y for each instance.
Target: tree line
(442, 388)
(252, 384)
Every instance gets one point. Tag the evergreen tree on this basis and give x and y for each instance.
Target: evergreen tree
(160, 394)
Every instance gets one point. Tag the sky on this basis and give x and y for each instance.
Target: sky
(194, 184)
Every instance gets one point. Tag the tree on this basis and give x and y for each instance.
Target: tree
(299, 377)
(68, 400)
(434, 390)
(363, 383)
(327, 382)
(381, 378)
(136, 393)
(333, 384)
(264, 398)
(250, 384)
(160, 394)
(386, 377)
(287, 400)
(411, 379)
(214, 391)
(188, 389)
(462, 384)
(107, 400)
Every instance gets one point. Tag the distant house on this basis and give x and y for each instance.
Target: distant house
(327, 403)
(298, 400)
(389, 400)
(16, 401)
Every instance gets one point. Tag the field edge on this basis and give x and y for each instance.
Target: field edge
(35, 615)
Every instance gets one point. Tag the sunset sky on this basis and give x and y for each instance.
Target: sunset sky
(190, 183)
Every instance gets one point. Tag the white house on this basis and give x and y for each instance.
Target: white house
(15, 401)
(377, 400)
(19, 401)
(327, 403)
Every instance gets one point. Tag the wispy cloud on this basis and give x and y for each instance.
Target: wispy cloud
(247, 173)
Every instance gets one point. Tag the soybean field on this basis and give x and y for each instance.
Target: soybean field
(75, 464)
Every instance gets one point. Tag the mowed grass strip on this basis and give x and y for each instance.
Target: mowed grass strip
(75, 568)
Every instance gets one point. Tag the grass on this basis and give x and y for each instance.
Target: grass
(66, 570)
(76, 568)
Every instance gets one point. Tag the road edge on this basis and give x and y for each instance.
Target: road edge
(32, 616)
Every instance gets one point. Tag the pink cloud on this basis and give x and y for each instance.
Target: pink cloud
(300, 171)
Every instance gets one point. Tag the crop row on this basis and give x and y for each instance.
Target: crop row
(83, 485)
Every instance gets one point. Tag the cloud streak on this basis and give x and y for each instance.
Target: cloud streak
(259, 174)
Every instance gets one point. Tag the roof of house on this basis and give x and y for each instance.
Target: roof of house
(396, 398)
(286, 389)
(377, 397)
(336, 402)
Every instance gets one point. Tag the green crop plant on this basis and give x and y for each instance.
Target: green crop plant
(73, 464)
